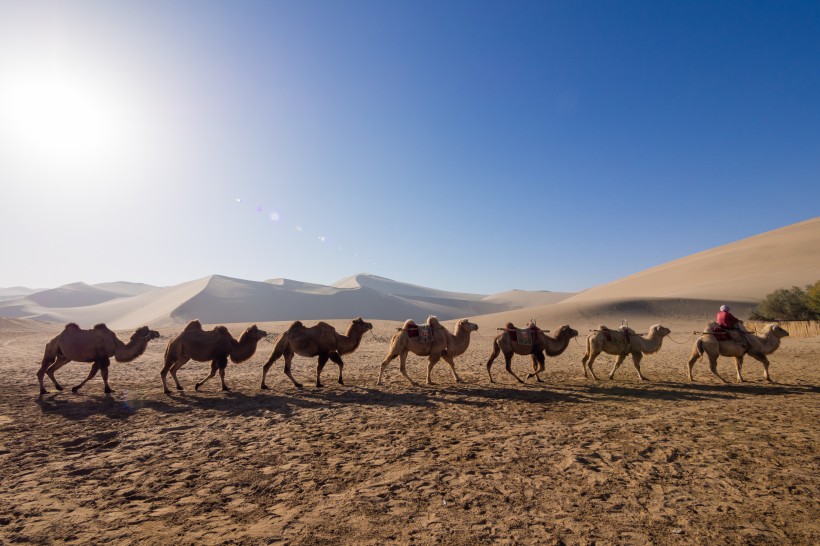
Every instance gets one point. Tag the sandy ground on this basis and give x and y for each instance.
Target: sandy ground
(569, 461)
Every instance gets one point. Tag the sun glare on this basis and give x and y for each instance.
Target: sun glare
(62, 120)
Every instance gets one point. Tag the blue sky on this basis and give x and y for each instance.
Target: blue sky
(468, 146)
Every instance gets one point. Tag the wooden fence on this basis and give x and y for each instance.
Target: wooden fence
(795, 328)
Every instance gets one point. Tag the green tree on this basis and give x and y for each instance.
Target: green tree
(786, 304)
(813, 294)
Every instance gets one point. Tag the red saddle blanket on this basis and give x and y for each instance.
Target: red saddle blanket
(523, 336)
(421, 331)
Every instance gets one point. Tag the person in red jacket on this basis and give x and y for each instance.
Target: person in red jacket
(731, 324)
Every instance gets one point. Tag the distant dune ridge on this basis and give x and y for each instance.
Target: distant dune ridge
(690, 288)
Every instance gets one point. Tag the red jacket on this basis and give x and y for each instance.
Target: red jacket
(727, 320)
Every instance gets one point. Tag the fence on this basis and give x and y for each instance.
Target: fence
(795, 328)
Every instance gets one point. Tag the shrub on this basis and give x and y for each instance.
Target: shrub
(789, 304)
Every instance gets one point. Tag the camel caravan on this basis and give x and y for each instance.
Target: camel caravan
(431, 340)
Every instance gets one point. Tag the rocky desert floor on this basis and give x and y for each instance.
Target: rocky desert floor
(567, 461)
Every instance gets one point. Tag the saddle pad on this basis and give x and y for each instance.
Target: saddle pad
(721, 334)
(425, 333)
(522, 337)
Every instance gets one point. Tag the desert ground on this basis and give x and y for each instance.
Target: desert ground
(567, 461)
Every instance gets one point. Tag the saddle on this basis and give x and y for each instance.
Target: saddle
(522, 336)
(422, 331)
(722, 334)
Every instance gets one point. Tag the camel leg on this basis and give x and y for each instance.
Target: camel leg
(177, 365)
(508, 363)
(713, 367)
(493, 355)
(214, 368)
(104, 373)
(403, 368)
(323, 358)
(763, 359)
(538, 365)
(59, 363)
(592, 356)
(636, 361)
(94, 368)
(739, 368)
(389, 358)
(691, 364)
(618, 361)
(584, 360)
(451, 361)
(432, 360)
(288, 361)
(337, 358)
(164, 373)
(274, 356)
(222, 366)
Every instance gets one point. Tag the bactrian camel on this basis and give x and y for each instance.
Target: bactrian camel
(621, 342)
(217, 345)
(444, 345)
(321, 340)
(757, 347)
(97, 346)
(541, 342)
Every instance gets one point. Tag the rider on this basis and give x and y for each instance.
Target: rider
(731, 324)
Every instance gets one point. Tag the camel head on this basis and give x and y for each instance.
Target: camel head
(565, 332)
(360, 325)
(662, 331)
(467, 325)
(254, 333)
(143, 332)
(776, 330)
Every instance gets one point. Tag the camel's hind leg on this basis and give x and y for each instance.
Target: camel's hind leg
(593, 354)
(713, 367)
(337, 358)
(539, 363)
(94, 368)
(288, 361)
(389, 358)
(48, 368)
(175, 368)
(694, 357)
(214, 369)
(493, 355)
(432, 360)
(508, 365)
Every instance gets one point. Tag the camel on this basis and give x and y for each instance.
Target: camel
(622, 342)
(217, 345)
(541, 342)
(757, 347)
(97, 346)
(443, 345)
(321, 340)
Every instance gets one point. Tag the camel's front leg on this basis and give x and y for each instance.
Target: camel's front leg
(94, 368)
(538, 366)
(763, 359)
(323, 358)
(451, 361)
(636, 361)
(739, 368)
(337, 358)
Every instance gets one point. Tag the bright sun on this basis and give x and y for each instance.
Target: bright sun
(62, 120)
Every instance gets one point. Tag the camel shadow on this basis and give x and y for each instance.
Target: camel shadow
(78, 407)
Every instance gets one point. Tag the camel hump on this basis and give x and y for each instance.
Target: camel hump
(100, 326)
(72, 326)
(410, 324)
(602, 328)
(193, 325)
(222, 330)
(626, 329)
(296, 324)
(432, 320)
(510, 326)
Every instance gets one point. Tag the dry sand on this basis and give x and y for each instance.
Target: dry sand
(568, 461)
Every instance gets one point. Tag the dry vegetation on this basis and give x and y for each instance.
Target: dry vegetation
(568, 461)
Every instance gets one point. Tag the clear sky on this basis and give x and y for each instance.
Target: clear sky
(469, 146)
